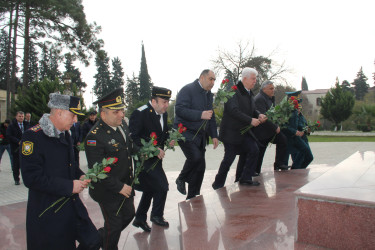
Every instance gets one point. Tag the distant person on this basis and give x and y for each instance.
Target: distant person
(194, 109)
(76, 133)
(4, 142)
(267, 131)
(240, 112)
(14, 135)
(296, 145)
(50, 172)
(86, 127)
(28, 120)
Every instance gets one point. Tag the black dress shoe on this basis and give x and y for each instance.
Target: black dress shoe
(17, 182)
(281, 167)
(249, 183)
(142, 224)
(181, 186)
(158, 220)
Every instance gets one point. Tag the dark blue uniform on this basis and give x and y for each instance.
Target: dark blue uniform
(153, 183)
(48, 170)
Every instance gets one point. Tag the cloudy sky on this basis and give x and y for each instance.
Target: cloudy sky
(320, 40)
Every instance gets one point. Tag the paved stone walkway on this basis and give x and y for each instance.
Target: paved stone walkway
(329, 153)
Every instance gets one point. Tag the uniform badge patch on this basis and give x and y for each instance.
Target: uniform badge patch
(27, 147)
(91, 142)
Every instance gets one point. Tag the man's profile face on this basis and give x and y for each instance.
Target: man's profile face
(66, 119)
(28, 116)
(269, 90)
(20, 117)
(160, 105)
(113, 117)
(208, 81)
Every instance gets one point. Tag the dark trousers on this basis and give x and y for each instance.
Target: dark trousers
(281, 148)
(7, 148)
(16, 166)
(154, 184)
(114, 224)
(194, 167)
(300, 151)
(87, 235)
(249, 149)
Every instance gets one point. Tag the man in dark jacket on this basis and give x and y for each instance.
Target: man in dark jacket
(194, 110)
(50, 172)
(240, 112)
(149, 118)
(87, 125)
(4, 142)
(110, 138)
(267, 131)
(77, 138)
(14, 134)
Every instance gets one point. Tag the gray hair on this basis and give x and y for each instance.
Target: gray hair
(20, 112)
(205, 72)
(247, 72)
(265, 84)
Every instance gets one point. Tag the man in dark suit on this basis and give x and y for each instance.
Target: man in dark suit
(14, 135)
(152, 117)
(88, 124)
(267, 131)
(240, 112)
(77, 138)
(50, 172)
(109, 137)
(194, 110)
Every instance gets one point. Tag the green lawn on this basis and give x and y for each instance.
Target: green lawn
(320, 138)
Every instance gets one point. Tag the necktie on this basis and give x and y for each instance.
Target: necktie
(120, 134)
(21, 127)
(160, 121)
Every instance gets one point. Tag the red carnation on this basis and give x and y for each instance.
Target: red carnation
(295, 102)
(234, 87)
(153, 135)
(318, 123)
(223, 82)
(155, 143)
(107, 169)
(1, 136)
(180, 130)
(227, 80)
(180, 125)
(183, 129)
(292, 98)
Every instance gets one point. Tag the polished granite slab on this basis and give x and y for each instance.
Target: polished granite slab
(234, 217)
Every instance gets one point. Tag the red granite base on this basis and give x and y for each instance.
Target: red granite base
(336, 225)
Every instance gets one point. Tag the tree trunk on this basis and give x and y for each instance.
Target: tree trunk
(14, 55)
(8, 61)
(26, 50)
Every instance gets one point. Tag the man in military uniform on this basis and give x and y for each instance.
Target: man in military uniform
(152, 117)
(109, 137)
(50, 172)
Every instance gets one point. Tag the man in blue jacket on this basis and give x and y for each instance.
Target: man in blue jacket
(50, 172)
(194, 110)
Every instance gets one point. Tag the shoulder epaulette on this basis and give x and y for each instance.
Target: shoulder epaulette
(95, 129)
(36, 128)
(142, 107)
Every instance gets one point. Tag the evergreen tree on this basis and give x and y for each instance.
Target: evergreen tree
(73, 73)
(117, 80)
(345, 85)
(49, 64)
(43, 64)
(145, 84)
(54, 71)
(304, 85)
(360, 85)
(33, 65)
(34, 99)
(132, 91)
(102, 77)
(337, 105)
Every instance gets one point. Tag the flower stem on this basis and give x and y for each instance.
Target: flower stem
(53, 204)
(204, 123)
(62, 205)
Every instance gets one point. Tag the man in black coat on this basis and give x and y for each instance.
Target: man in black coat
(50, 172)
(149, 118)
(4, 142)
(76, 133)
(267, 131)
(109, 137)
(240, 112)
(87, 125)
(194, 110)
(14, 135)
